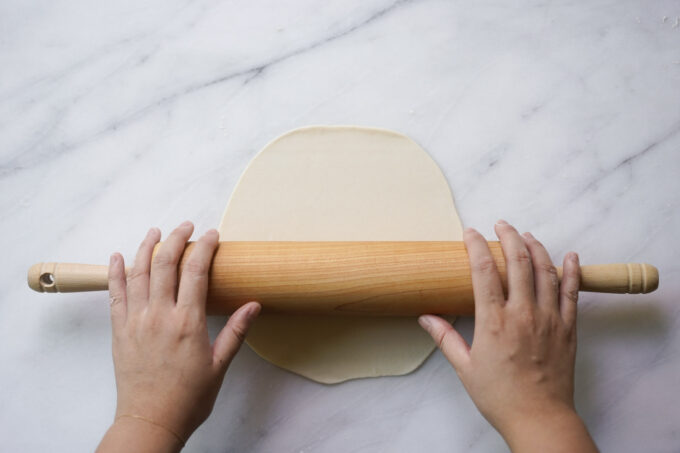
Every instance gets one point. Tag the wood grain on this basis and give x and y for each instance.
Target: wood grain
(376, 278)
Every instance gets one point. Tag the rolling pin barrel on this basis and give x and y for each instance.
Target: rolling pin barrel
(369, 278)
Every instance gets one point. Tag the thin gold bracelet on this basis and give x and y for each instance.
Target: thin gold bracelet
(148, 420)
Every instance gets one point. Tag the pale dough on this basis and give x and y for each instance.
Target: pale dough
(341, 183)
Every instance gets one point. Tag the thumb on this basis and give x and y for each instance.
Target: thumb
(231, 336)
(452, 344)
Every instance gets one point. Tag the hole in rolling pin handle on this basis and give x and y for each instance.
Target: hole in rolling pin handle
(47, 279)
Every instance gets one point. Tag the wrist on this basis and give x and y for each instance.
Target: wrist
(556, 428)
(152, 425)
(140, 435)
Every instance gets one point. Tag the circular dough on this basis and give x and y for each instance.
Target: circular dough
(341, 183)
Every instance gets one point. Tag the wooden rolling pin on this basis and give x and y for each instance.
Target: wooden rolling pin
(377, 278)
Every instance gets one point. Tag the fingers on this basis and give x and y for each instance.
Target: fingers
(546, 284)
(163, 280)
(571, 280)
(117, 294)
(232, 335)
(453, 346)
(138, 277)
(193, 285)
(518, 264)
(486, 282)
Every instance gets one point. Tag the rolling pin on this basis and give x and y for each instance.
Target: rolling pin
(365, 278)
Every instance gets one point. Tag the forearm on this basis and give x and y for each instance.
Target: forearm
(554, 432)
(129, 434)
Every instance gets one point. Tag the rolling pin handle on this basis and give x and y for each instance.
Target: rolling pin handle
(650, 278)
(622, 278)
(67, 277)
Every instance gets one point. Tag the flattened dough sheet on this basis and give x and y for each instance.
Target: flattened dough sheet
(341, 183)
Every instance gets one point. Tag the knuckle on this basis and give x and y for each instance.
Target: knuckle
(115, 301)
(494, 324)
(527, 318)
(484, 265)
(572, 273)
(521, 256)
(191, 313)
(151, 323)
(489, 295)
(134, 274)
(441, 339)
(187, 324)
(443, 342)
(550, 270)
(571, 294)
(196, 267)
(238, 333)
(165, 260)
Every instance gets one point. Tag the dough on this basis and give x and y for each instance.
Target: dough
(341, 183)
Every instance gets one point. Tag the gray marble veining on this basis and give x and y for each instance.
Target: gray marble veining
(561, 117)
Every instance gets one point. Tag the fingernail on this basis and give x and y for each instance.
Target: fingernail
(424, 322)
(469, 230)
(501, 222)
(528, 235)
(185, 224)
(113, 259)
(573, 257)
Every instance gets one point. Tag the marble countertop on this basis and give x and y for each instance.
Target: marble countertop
(561, 117)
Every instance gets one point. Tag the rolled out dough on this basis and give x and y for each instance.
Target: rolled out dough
(341, 183)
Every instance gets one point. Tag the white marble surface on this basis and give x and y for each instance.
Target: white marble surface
(562, 117)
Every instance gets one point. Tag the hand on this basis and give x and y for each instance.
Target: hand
(167, 373)
(520, 369)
